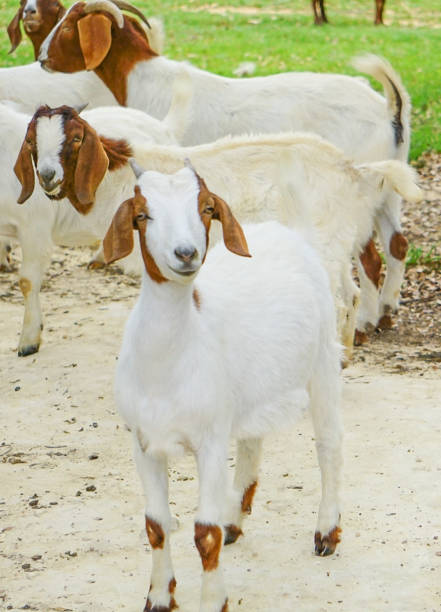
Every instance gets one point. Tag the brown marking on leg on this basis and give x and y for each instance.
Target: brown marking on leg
(208, 540)
(371, 262)
(398, 246)
(197, 299)
(385, 322)
(326, 545)
(232, 532)
(25, 286)
(155, 533)
(247, 498)
(360, 338)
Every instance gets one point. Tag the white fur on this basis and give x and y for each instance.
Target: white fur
(261, 347)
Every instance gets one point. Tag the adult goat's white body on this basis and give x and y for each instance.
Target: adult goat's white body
(30, 86)
(238, 352)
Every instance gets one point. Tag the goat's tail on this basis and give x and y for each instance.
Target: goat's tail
(179, 114)
(155, 34)
(398, 100)
(398, 175)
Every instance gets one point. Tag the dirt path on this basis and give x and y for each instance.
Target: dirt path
(71, 509)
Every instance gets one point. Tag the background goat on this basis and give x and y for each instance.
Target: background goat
(318, 7)
(237, 353)
(41, 223)
(295, 178)
(342, 109)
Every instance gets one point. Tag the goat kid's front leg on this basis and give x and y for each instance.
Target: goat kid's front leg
(249, 453)
(326, 418)
(154, 478)
(208, 532)
(36, 256)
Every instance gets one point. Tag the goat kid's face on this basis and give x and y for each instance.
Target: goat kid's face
(173, 214)
(67, 154)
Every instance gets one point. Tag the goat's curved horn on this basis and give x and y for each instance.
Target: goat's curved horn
(105, 5)
(126, 6)
(137, 170)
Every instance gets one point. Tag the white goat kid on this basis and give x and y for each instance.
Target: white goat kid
(239, 352)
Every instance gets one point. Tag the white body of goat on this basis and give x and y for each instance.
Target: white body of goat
(40, 224)
(244, 357)
(30, 86)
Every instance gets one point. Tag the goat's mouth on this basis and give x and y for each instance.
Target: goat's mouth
(54, 192)
(184, 271)
(31, 24)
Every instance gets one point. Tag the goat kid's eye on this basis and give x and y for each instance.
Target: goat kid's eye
(143, 217)
(209, 210)
(77, 139)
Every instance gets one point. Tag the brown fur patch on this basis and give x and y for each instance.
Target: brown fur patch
(360, 338)
(398, 246)
(155, 533)
(173, 605)
(118, 152)
(385, 322)
(371, 262)
(197, 299)
(232, 532)
(326, 545)
(247, 498)
(25, 286)
(208, 540)
(225, 606)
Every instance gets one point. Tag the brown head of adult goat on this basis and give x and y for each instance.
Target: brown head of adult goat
(38, 18)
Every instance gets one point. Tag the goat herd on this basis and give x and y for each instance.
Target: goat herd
(299, 169)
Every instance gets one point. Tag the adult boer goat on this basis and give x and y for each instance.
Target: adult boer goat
(344, 110)
(298, 179)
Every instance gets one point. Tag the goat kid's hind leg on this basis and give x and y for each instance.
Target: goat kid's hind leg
(369, 270)
(208, 534)
(249, 453)
(395, 249)
(326, 418)
(154, 478)
(36, 256)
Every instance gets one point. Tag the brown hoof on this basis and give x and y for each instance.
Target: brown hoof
(232, 532)
(95, 265)
(385, 322)
(326, 545)
(360, 338)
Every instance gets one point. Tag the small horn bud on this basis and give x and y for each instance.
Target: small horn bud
(137, 170)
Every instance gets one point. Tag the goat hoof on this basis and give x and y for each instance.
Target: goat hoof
(360, 338)
(232, 532)
(173, 606)
(28, 350)
(326, 545)
(95, 265)
(385, 322)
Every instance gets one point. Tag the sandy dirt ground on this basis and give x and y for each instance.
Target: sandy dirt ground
(71, 507)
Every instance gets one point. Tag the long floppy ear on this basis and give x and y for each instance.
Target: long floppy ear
(234, 238)
(14, 31)
(92, 164)
(24, 171)
(118, 241)
(95, 38)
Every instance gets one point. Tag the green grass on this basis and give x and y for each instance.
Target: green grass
(416, 256)
(283, 37)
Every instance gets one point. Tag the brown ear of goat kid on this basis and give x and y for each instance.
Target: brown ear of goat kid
(318, 7)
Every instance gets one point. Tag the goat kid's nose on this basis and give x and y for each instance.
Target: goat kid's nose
(47, 176)
(186, 254)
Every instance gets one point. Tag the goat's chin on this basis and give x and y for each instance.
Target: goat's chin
(31, 26)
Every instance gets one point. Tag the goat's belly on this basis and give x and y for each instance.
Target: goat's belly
(259, 419)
